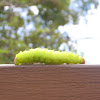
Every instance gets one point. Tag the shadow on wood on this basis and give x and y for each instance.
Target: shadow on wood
(50, 82)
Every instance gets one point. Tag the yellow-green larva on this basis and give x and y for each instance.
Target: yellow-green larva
(46, 56)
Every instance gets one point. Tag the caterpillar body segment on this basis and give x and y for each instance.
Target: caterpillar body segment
(46, 56)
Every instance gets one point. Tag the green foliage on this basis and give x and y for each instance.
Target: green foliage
(14, 33)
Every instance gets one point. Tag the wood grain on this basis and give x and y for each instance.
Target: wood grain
(50, 82)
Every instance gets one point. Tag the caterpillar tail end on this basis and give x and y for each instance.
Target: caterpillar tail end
(16, 62)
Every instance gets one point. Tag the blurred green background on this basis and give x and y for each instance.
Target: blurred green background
(29, 24)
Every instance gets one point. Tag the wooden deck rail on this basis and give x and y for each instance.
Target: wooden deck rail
(50, 82)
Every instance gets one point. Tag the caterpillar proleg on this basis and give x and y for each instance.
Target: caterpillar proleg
(46, 56)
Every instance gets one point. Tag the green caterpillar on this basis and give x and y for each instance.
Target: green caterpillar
(46, 56)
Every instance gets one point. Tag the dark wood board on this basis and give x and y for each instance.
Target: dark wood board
(50, 82)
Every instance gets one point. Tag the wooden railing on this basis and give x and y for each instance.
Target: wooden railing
(50, 82)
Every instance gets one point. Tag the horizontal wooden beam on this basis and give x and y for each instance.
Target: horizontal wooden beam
(49, 82)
